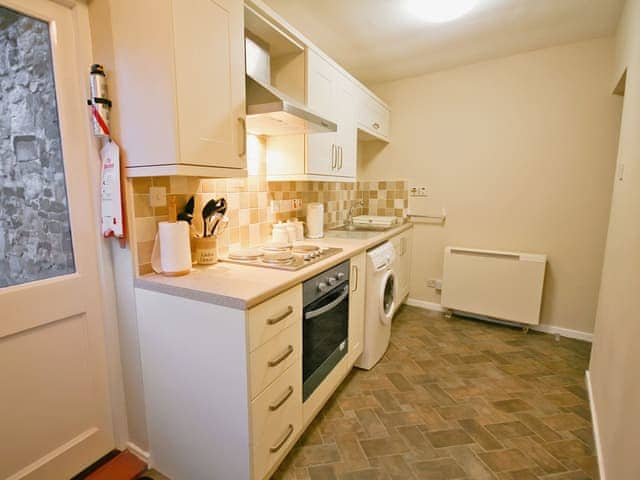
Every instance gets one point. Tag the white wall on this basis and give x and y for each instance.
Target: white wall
(616, 357)
(521, 152)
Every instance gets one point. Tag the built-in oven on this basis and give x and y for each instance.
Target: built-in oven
(325, 326)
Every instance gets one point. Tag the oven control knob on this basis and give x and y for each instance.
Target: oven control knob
(340, 276)
(323, 287)
(332, 281)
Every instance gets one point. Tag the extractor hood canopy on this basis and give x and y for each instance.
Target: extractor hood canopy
(269, 111)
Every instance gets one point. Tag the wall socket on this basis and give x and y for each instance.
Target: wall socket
(419, 191)
(158, 196)
(434, 283)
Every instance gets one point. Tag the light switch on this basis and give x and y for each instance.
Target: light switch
(158, 196)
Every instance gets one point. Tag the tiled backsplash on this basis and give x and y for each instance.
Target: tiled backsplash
(250, 205)
(255, 204)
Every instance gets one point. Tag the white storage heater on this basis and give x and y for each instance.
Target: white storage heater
(501, 285)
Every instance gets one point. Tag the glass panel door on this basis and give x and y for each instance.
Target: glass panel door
(35, 232)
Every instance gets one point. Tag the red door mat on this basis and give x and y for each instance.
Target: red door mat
(125, 466)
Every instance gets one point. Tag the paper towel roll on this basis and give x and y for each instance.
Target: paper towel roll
(315, 220)
(172, 251)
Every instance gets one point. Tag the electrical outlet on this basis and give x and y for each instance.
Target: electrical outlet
(297, 204)
(158, 196)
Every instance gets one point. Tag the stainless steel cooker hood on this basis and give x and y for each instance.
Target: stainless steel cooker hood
(269, 111)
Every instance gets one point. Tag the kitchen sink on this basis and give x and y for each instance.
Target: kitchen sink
(362, 228)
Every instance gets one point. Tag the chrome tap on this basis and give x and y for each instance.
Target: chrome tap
(349, 220)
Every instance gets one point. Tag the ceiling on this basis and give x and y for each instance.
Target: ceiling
(378, 40)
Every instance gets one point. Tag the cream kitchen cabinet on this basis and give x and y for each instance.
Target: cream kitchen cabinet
(180, 86)
(320, 156)
(373, 117)
(356, 306)
(402, 266)
(223, 387)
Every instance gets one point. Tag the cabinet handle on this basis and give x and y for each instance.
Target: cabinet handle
(356, 276)
(283, 440)
(333, 157)
(340, 157)
(282, 357)
(279, 318)
(243, 124)
(376, 125)
(274, 406)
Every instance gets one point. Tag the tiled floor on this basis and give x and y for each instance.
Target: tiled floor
(455, 399)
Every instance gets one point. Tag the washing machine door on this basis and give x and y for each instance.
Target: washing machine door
(388, 295)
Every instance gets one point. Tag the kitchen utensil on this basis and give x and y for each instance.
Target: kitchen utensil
(222, 226)
(207, 212)
(221, 210)
(186, 215)
(205, 250)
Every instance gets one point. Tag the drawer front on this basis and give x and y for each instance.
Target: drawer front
(270, 360)
(273, 316)
(276, 419)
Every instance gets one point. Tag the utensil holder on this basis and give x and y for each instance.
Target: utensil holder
(205, 250)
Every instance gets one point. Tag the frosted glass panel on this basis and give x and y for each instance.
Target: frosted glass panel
(35, 235)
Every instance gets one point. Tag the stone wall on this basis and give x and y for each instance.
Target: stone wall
(35, 236)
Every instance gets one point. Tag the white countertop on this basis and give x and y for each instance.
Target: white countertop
(245, 286)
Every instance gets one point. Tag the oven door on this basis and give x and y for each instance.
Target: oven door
(325, 331)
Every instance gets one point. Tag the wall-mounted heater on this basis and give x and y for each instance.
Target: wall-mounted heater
(502, 285)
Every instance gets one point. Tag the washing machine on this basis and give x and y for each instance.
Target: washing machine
(381, 302)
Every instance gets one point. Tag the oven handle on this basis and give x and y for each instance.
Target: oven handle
(327, 307)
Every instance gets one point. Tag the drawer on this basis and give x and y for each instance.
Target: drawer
(271, 317)
(269, 361)
(276, 419)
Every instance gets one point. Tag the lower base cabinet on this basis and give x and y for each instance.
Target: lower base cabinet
(223, 387)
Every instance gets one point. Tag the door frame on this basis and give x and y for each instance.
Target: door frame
(106, 272)
(91, 145)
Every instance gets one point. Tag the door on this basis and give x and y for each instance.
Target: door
(346, 136)
(322, 154)
(210, 84)
(356, 305)
(54, 408)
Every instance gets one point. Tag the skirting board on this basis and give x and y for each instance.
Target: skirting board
(138, 452)
(596, 428)
(563, 332)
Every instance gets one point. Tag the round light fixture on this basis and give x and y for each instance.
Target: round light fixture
(439, 11)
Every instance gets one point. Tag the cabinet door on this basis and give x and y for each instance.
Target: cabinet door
(402, 267)
(321, 92)
(356, 306)
(372, 116)
(346, 98)
(210, 86)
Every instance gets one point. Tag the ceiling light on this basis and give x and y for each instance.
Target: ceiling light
(438, 11)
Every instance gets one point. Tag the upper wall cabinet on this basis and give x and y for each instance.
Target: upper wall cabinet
(373, 117)
(320, 156)
(180, 86)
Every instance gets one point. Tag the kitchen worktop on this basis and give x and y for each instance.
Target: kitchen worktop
(245, 286)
